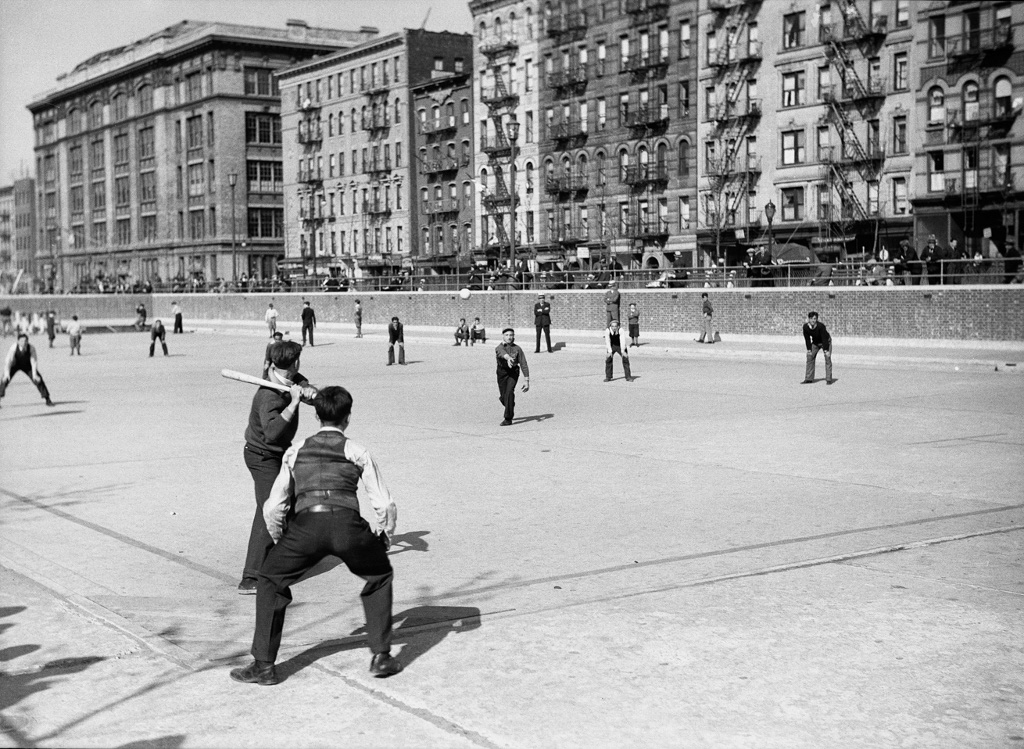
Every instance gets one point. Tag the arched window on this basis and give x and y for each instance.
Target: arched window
(451, 113)
(341, 122)
(970, 101)
(119, 107)
(566, 164)
(398, 111)
(483, 30)
(936, 105)
(497, 28)
(529, 177)
(643, 156)
(144, 99)
(330, 126)
(96, 114)
(581, 163)
(662, 156)
(529, 23)
(684, 158)
(353, 125)
(623, 164)
(1003, 96)
(74, 121)
(602, 178)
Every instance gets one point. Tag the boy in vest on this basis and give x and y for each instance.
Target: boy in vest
(613, 346)
(318, 481)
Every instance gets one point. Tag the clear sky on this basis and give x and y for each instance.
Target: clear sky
(40, 39)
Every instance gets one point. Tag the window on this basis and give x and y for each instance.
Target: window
(793, 204)
(623, 53)
(793, 86)
(146, 143)
(74, 122)
(824, 23)
(196, 225)
(937, 36)
(97, 157)
(684, 159)
(623, 109)
(119, 107)
(899, 196)
(712, 47)
(121, 148)
(936, 105)
(684, 39)
(1002, 101)
(196, 180)
(824, 82)
(144, 99)
(266, 222)
(122, 192)
(265, 176)
(75, 160)
(147, 233)
(147, 187)
(872, 198)
(899, 134)
(193, 87)
(76, 199)
(96, 114)
(684, 98)
(824, 203)
(264, 128)
(602, 54)
(123, 231)
(902, 13)
(793, 30)
(900, 71)
(793, 147)
(194, 132)
(970, 101)
(209, 129)
(936, 171)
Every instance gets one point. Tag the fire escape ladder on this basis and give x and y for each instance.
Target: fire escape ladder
(840, 180)
(853, 20)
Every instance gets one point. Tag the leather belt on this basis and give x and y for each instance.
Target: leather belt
(323, 508)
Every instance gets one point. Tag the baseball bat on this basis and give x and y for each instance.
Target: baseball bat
(243, 377)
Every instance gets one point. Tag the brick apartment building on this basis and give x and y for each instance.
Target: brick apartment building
(146, 154)
(25, 258)
(351, 125)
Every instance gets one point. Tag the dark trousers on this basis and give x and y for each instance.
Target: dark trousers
(310, 537)
(507, 379)
(264, 469)
(304, 329)
(401, 352)
(609, 361)
(547, 336)
(152, 344)
(40, 386)
(178, 328)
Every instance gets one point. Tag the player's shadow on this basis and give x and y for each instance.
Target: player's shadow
(418, 629)
(412, 541)
(536, 417)
(47, 413)
(321, 345)
(558, 346)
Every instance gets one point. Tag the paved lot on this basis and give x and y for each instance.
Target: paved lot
(710, 556)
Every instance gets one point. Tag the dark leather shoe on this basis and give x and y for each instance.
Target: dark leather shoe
(247, 587)
(506, 423)
(807, 382)
(383, 665)
(265, 676)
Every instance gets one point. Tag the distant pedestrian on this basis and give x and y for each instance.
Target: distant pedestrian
(478, 332)
(633, 318)
(707, 327)
(271, 319)
(612, 298)
(5, 320)
(157, 331)
(817, 338)
(462, 333)
(176, 311)
(357, 316)
(396, 337)
(140, 316)
(511, 361)
(278, 336)
(75, 330)
(22, 358)
(542, 321)
(308, 323)
(613, 346)
(51, 326)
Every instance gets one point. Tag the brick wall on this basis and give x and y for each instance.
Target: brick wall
(969, 313)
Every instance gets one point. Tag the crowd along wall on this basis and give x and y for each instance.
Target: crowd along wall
(966, 313)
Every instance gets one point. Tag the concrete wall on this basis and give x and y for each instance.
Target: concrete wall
(969, 313)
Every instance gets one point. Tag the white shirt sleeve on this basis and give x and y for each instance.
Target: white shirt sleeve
(376, 490)
(281, 494)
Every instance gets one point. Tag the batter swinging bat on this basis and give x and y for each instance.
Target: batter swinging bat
(243, 377)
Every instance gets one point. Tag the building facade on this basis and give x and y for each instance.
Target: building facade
(810, 110)
(968, 170)
(25, 229)
(140, 151)
(7, 219)
(352, 172)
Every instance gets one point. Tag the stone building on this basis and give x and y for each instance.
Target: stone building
(161, 159)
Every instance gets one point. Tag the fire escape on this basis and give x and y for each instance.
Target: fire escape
(310, 179)
(568, 183)
(734, 171)
(501, 103)
(980, 129)
(851, 103)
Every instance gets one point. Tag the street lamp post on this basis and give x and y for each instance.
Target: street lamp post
(232, 180)
(513, 136)
(769, 213)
